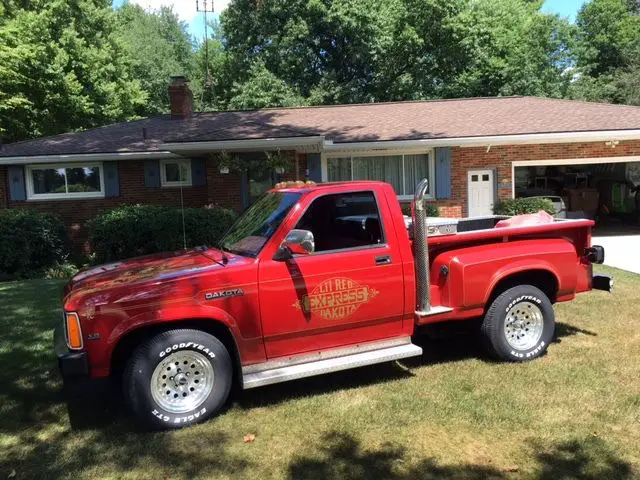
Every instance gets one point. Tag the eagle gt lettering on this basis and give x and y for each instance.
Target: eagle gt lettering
(235, 292)
(336, 298)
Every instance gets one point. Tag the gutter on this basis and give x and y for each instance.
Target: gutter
(310, 143)
(494, 140)
(86, 157)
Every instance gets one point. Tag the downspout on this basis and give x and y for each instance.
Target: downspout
(421, 249)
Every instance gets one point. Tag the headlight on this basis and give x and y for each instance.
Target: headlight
(72, 330)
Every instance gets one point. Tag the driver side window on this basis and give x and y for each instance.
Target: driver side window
(344, 220)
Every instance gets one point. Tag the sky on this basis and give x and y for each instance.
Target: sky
(186, 9)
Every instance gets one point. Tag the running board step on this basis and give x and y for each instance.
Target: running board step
(435, 310)
(328, 365)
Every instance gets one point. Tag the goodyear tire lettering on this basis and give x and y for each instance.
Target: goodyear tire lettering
(189, 345)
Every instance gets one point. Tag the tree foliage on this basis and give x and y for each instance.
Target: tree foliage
(75, 64)
(608, 51)
(158, 46)
(62, 68)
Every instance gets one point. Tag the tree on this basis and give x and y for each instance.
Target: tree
(157, 46)
(345, 51)
(510, 47)
(263, 89)
(608, 42)
(62, 70)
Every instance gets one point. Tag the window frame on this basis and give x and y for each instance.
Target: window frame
(383, 244)
(163, 173)
(31, 195)
(386, 153)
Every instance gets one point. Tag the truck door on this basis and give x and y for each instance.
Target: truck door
(350, 290)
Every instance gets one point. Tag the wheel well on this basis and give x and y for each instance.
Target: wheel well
(542, 279)
(130, 341)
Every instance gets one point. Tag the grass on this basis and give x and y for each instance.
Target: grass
(451, 413)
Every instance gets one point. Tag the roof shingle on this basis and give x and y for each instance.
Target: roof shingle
(476, 117)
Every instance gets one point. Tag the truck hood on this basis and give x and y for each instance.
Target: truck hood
(162, 266)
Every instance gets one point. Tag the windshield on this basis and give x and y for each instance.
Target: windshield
(258, 223)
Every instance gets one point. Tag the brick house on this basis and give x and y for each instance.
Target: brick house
(474, 151)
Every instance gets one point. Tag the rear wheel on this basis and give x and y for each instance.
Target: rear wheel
(519, 325)
(178, 378)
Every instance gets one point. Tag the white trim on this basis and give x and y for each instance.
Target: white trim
(529, 138)
(252, 144)
(163, 173)
(565, 161)
(32, 196)
(86, 157)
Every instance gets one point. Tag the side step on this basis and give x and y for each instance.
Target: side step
(358, 356)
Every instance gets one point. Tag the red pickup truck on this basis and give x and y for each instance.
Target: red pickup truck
(313, 279)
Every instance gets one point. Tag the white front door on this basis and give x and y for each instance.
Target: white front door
(481, 192)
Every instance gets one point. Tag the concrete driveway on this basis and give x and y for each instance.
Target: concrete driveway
(620, 251)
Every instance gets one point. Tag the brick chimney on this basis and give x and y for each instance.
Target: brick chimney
(180, 97)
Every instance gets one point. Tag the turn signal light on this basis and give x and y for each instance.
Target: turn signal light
(74, 334)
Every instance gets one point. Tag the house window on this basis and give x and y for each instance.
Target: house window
(175, 173)
(55, 181)
(402, 171)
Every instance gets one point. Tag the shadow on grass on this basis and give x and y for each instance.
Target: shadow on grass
(341, 456)
(566, 330)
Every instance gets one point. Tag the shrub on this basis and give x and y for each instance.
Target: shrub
(30, 242)
(133, 230)
(519, 206)
(432, 210)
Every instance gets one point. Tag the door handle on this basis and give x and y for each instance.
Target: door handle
(383, 260)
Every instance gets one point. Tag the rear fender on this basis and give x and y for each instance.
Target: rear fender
(473, 272)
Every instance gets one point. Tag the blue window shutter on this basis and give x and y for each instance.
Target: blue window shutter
(111, 179)
(151, 173)
(443, 173)
(16, 183)
(198, 172)
(314, 165)
(244, 189)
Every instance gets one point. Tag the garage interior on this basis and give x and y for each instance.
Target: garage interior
(608, 193)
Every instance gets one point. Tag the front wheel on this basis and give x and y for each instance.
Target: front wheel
(178, 378)
(519, 325)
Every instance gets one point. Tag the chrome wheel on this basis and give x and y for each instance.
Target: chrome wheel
(523, 326)
(182, 381)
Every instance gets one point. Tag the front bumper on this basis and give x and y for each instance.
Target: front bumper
(72, 364)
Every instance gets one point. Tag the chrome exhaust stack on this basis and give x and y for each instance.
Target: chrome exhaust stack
(420, 247)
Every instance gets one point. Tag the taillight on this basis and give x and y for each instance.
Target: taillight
(73, 331)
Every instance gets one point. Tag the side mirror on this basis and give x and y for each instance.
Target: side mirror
(298, 242)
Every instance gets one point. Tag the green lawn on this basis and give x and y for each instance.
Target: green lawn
(450, 414)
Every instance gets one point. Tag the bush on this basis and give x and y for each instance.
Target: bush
(519, 206)
(432, 210)
(30, 242)
(133, 230)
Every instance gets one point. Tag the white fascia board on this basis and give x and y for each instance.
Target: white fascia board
(533, 138)
(575, 161)
(247, 144)
(85, 157)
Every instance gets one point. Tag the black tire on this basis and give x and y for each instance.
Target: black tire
(493, 325)
(210, 355)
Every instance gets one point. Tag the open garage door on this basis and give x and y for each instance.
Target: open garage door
(604, 189)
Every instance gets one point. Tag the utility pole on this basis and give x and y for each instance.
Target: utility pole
(207, 7)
